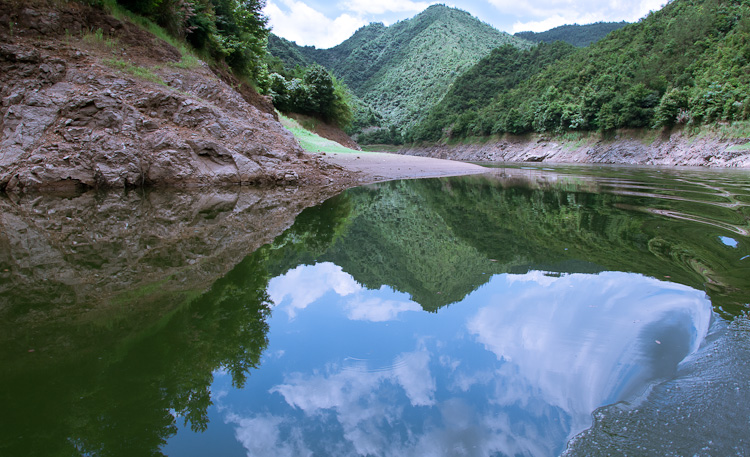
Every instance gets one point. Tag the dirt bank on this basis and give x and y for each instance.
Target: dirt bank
(627, 147)
(88, 100)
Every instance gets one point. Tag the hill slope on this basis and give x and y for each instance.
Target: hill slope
(90, 100)
(503, 69)
(577, 35)
(687, 63)
(404, 69)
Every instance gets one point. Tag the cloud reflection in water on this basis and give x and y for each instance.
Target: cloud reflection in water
(516, 368)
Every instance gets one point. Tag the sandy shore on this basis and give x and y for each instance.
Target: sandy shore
(380, 166)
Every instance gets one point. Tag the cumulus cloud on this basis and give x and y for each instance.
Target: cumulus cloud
(356, 398)
(383, 6)
(585, 341)
(374, 309)
(302, 286)
(306, 284)
(298, 22)
(542, 15)
(261, 435)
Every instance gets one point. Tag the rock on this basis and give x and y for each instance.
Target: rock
(92, 124)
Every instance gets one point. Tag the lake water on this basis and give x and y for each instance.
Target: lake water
(530, 311)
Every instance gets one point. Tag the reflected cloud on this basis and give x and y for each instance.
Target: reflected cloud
(583, 341)
(304, 285)
(374, 309)
(261, 436)
(543, 353)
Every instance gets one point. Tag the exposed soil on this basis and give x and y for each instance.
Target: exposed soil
(92, 101)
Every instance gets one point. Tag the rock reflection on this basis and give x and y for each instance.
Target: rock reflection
(118, 308)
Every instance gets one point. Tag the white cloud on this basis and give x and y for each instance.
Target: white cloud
(551, 23)
(543, 15)
(306, 284)
(375, 309)
(355, 396)
(298, 22)
(585, 341)
(261, 436)
(382, 6)
(299, 288)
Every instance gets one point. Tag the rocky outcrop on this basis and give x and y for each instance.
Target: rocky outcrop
(112, 108)
(628, 147)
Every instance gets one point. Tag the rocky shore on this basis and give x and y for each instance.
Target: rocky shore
(677, 148)
(88, 100)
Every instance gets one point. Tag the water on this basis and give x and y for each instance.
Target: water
(526, 312)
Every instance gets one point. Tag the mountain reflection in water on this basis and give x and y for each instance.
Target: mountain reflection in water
(550, 294)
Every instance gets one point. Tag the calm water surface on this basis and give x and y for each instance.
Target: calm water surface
(531, 311)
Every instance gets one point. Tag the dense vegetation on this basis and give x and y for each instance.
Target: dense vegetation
(688, 63)
(234, 31)
(577, 35)
(313, 91)
(401, 71)
(457, 114)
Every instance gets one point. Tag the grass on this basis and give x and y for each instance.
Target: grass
(311, 142)
(96, 38)
(739, 129)
(135, 70)
(189, 58)
(381, 148)
(733, 130)
(739, 147)
(649, 136)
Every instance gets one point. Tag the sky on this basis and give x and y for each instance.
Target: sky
(325, 24)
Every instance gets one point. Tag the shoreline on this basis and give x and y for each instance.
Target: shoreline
(373, 167)
(628, 147)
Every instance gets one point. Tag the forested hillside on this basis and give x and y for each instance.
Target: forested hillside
(688, 63)
(577, 35)
(402, 70)
(502, 70)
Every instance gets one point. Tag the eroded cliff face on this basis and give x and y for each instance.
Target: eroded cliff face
(89, 100)
(628, 147)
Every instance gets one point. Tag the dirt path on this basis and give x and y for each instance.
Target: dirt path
(380, 166)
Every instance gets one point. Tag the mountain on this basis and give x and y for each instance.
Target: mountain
(503, 69)
(688, 63)
(577, 35)
(402, 70)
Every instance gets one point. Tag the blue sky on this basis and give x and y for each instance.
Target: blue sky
(327, 23)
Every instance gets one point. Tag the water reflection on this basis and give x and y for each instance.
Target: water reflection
(181, 324)
(516, 370)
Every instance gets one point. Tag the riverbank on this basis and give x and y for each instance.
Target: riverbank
(90, 100)
(369, 167)
(631, 147)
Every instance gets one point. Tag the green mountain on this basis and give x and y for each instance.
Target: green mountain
(503, 69)
(687, 63)
(287, 51)
(577, 35)
(402, 70)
